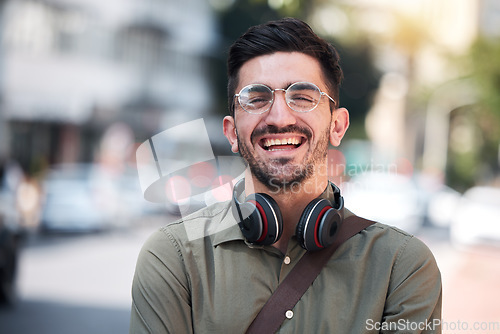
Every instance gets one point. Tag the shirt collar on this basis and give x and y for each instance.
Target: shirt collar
(229, 229)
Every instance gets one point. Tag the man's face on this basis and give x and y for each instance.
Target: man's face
(282, 146)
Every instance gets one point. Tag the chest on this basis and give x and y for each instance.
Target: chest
(229, 290)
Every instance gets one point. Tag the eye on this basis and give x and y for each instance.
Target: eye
(257, 99)
(302, 97)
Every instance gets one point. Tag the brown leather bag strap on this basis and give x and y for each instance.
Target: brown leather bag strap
(289, 292)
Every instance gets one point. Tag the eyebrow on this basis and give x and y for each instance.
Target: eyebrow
(287, 85)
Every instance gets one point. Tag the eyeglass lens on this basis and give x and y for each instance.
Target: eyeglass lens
(300, 96)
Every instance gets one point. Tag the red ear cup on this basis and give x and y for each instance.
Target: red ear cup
(270, 218)
(318, 225)
(249, 220)
(259, 217)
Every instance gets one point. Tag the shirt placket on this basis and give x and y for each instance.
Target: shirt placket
(292, 256)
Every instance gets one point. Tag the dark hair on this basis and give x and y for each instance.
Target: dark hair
(285, 35)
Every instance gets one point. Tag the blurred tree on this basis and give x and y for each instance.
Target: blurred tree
(463, 154)
(409, 37)
(361, 80)
(481, 163)
(485, 56)
(485, 67)
(234, 20)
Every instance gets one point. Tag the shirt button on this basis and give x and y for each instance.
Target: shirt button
(287, 260)
(289, 314)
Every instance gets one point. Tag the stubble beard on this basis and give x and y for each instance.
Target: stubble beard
(281, 175)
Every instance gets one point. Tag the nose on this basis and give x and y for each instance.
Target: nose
(280, 114)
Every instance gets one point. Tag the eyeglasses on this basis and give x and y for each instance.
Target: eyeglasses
(300, 97)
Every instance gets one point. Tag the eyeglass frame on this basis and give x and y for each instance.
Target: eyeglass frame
(286, 101)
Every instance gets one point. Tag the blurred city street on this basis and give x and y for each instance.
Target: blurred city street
(77, 283)
(108, 108)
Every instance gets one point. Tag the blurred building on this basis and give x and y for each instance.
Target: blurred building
(70, 68)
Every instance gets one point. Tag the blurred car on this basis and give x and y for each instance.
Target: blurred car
(442, 204)
(11, 235)
(74, 199)
(89, 197)
(388, 198)
(477, 217)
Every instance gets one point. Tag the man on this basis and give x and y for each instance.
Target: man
(283, 96)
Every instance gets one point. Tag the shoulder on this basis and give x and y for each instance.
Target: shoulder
(180, 251)
(405, 254)
(199, 227)
(399, 243)
(385, 237)
(389, 245)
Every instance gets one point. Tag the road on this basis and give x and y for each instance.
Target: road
(72, 284)
(471, 293)
(81, 284)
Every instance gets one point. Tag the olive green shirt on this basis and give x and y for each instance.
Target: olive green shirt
(198, 275)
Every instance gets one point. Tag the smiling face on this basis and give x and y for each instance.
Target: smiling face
(282, 146)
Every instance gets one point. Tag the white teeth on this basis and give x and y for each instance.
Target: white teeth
(284, 141)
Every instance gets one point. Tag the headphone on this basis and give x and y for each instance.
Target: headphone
(261, 223)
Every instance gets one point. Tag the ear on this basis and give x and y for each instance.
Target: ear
(340, 123)
(230, 132)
